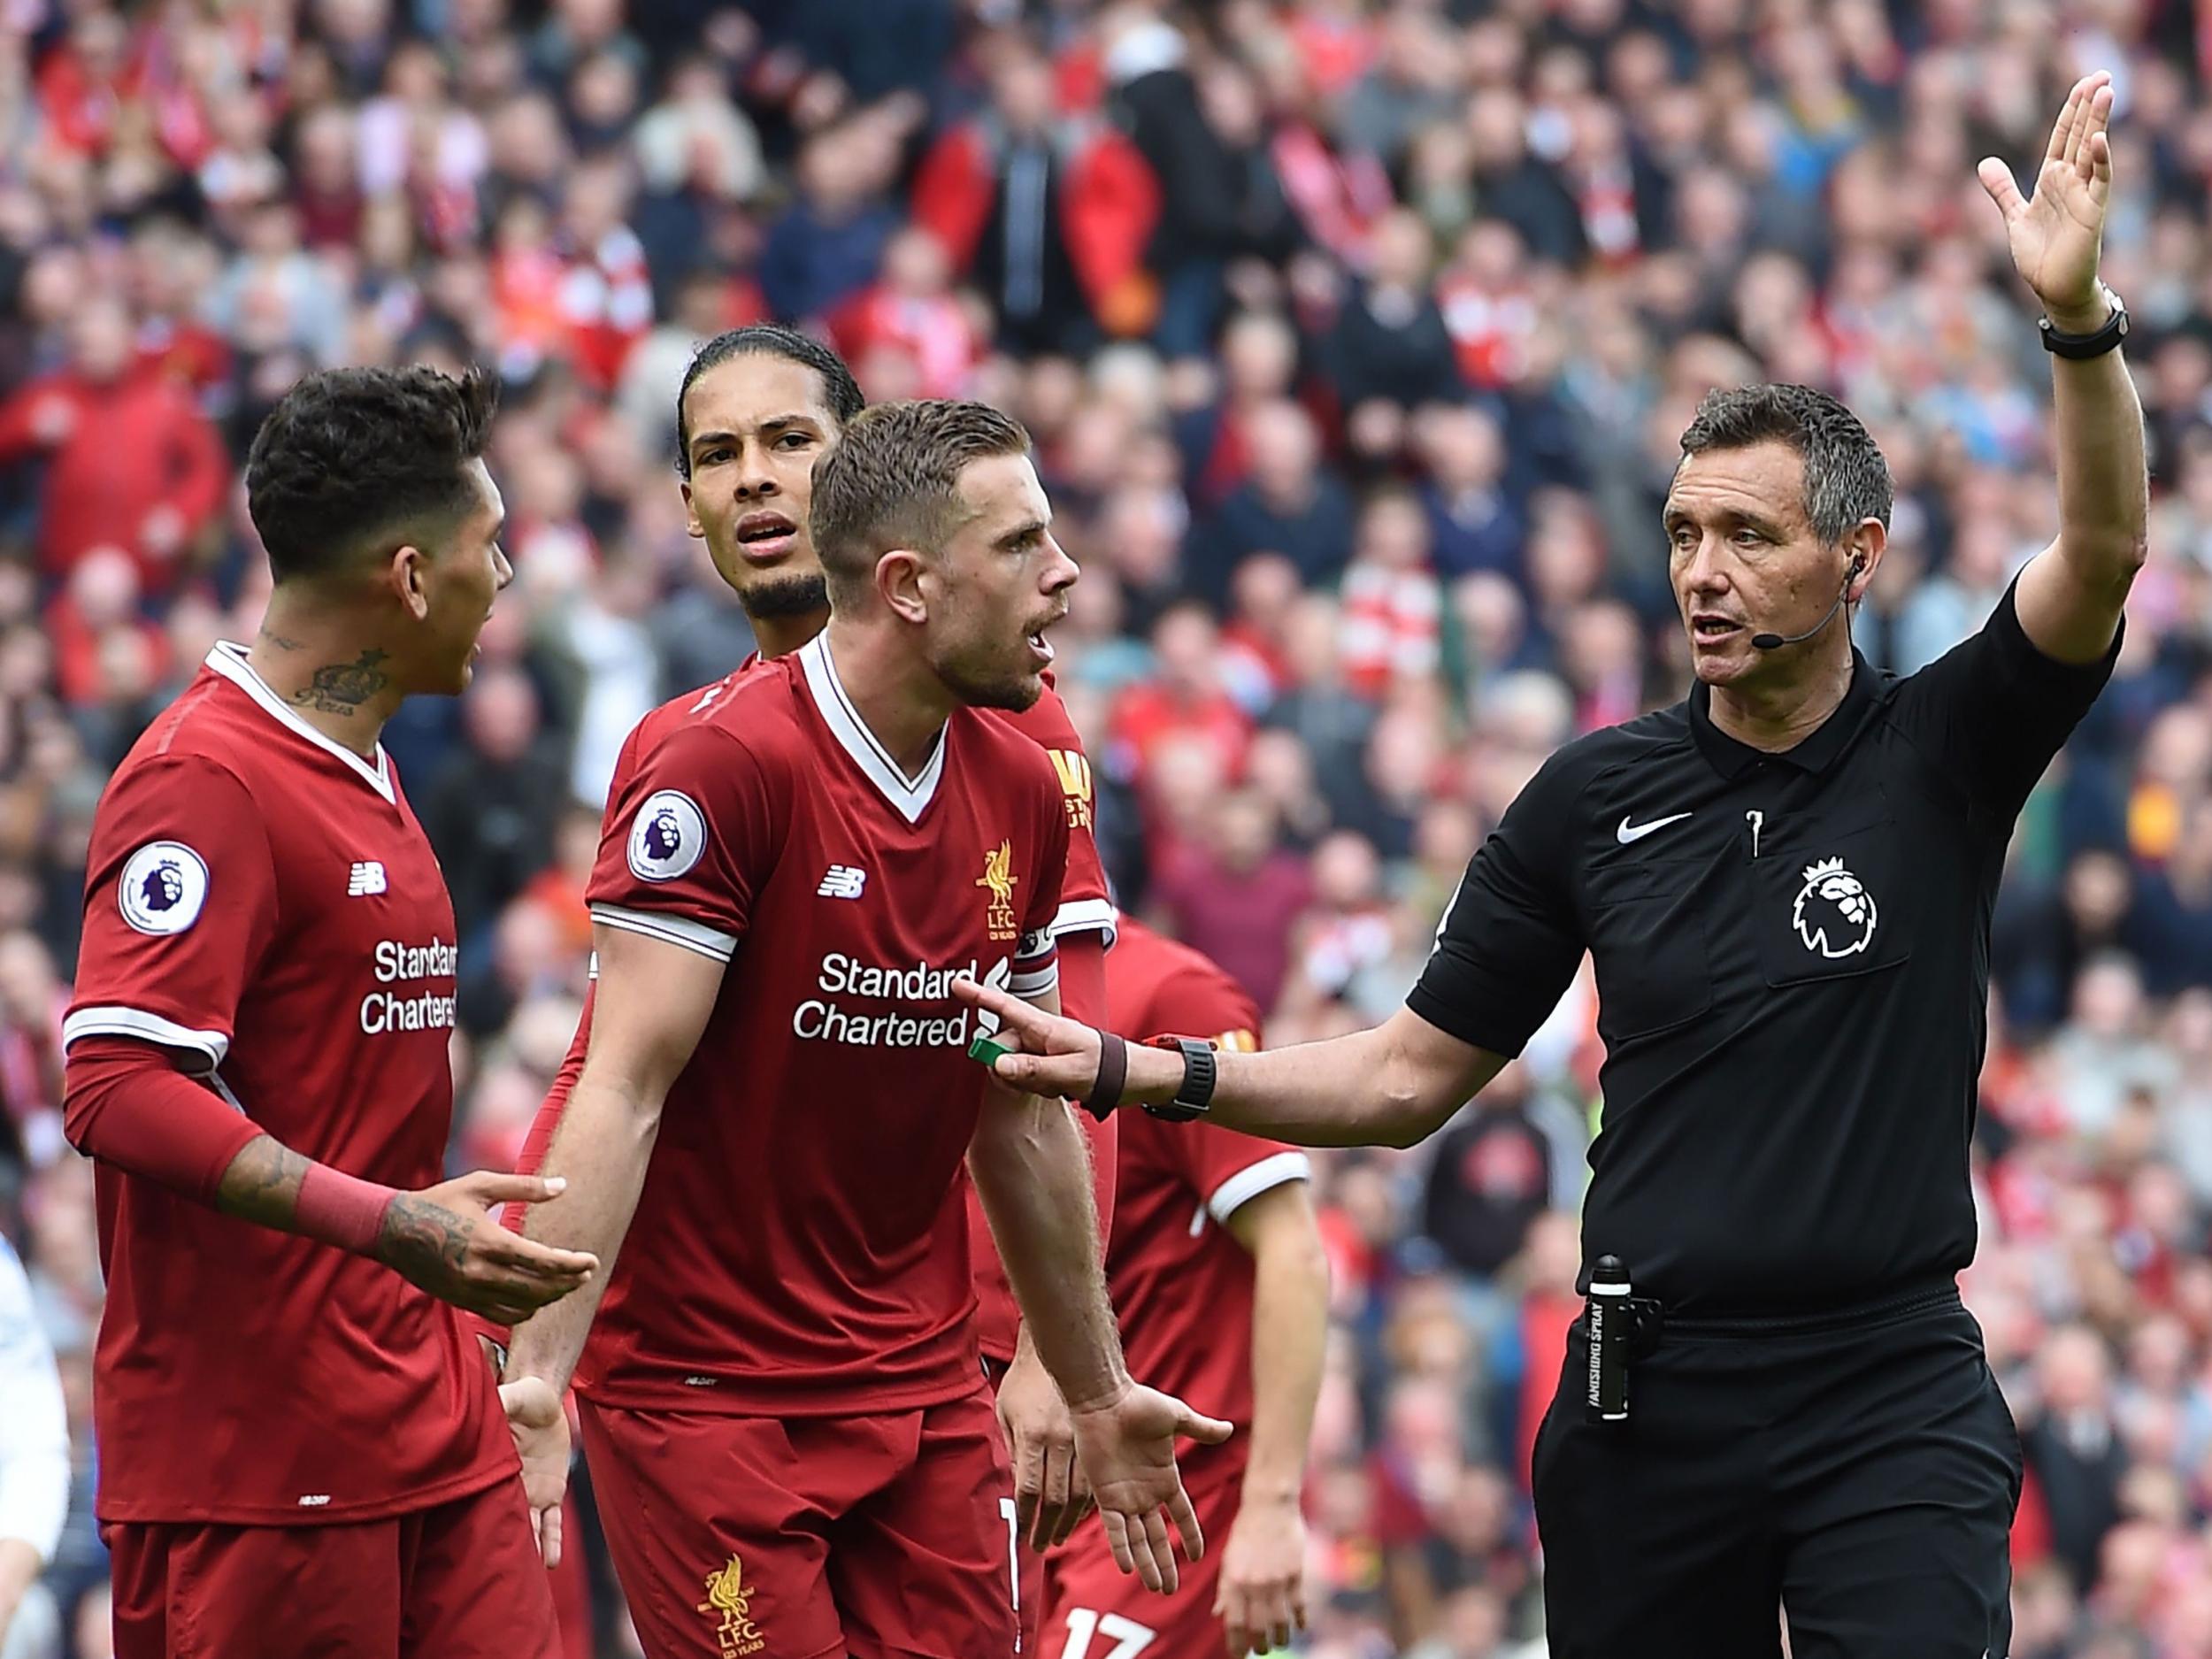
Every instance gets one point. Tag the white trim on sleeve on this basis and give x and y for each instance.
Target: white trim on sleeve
(108, 1021)
(1036, 982)
(673, 930)
(1278, 1169)
(1085, 916)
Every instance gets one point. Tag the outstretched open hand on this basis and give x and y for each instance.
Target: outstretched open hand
(2057, 234)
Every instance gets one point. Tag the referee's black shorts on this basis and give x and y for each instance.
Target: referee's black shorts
(1859, 1470)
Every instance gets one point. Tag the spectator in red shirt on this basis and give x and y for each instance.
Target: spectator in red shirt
(1183, 698)
(1049, 216)
(912, 306)
(606, 293)
(83, 84)
(130, 462)
(102, 599)
(1236, 896)
(170, 268)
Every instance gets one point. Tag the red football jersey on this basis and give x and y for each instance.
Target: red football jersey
(1181, 1285)
(1084, 907)
(262, 901)
(801, 1243)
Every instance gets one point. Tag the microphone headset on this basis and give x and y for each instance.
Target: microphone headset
(1776, 641)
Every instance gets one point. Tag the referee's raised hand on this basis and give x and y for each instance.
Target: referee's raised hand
(2057, 235)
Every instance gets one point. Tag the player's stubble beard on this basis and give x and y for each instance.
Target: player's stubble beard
(783, 595)
(976, 683)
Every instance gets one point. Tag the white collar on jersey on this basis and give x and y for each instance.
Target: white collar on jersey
(229, 661)
(908, 796)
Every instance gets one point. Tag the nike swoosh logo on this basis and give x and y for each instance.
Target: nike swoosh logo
(1628, 832)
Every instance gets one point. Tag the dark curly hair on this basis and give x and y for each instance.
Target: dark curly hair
(840, 393)
(351, 455)
(1846, 480)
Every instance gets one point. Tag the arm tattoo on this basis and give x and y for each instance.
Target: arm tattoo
(263, 1183)
(342, 688)
(418, 1231)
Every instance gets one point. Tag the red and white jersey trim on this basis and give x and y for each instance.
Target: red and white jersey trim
(114, 1021)
(1085, 916)
(229, 661)
(908, 796)
(1278, 1169)
(667, 927)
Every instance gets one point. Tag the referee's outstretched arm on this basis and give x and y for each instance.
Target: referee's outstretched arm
(2070, 595)
(1391, 1085)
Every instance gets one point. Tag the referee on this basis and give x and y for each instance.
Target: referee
(1786, 883)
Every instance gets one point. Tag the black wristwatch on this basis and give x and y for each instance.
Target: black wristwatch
(1197, 1089)
(2090, 345)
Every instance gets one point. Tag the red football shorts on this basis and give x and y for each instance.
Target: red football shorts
(883, 1536)
(1095, 1610)
(460, 1581)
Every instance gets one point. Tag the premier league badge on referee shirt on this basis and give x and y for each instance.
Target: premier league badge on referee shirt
(163, 887)
(667, 836)
(1834, 913)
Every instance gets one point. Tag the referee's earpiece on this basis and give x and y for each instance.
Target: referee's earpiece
(1858, 563)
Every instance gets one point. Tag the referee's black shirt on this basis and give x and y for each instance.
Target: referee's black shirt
(1793, 967)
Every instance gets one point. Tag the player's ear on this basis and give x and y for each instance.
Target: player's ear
(900, 578)
(693, 528)
(409, 573)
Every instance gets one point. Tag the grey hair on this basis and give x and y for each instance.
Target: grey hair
(1846, 480)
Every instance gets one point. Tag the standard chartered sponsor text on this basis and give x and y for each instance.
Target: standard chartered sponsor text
(398, 963)
(824, 1020)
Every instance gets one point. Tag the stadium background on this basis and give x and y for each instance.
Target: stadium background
(1355, 337)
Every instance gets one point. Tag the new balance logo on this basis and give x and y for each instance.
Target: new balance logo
(844, 881)
(366, 880)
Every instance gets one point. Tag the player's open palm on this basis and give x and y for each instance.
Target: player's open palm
(448, 1240)
(1128, 1450)
(539, 1426)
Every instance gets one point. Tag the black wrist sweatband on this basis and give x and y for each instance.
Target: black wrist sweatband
(1113, 1072)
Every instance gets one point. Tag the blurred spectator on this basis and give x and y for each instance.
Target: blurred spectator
(828, 242)
(129, 462)
(1291, 504)
(1234, 895)
(492, 811)
(2073, 1447)
(1047, 214)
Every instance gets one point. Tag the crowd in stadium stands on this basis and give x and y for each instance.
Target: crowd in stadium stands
(1356, 336)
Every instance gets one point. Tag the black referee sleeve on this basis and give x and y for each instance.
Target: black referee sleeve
(1993, 710)
(1511, 941)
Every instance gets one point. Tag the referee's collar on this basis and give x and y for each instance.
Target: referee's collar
(1814, 754)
